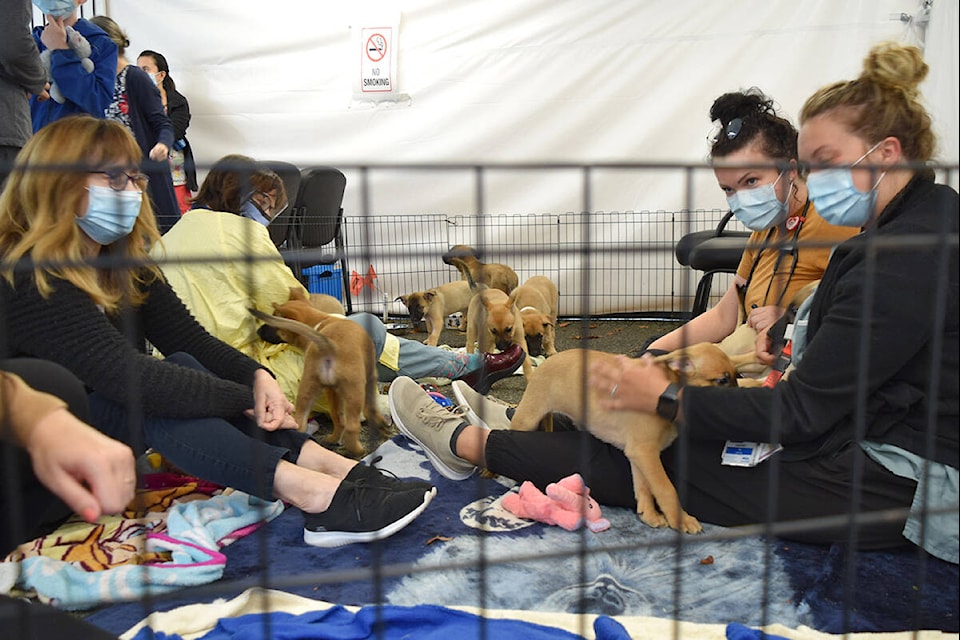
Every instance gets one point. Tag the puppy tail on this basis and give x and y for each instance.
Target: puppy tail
(325, 345)
(465, 272)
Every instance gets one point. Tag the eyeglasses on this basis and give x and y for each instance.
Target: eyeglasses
(118, 179)
(267, 204)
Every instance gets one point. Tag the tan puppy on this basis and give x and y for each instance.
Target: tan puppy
(494, 275)
(434, 305)
(339, 358)
(560, 385)
(321, 301)
(494, 321)
(538, 301)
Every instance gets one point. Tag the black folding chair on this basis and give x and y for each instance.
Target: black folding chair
(715, 251)
(318, 222)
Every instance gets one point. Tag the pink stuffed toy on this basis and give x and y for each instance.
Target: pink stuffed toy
(567, 504)
(572, 492)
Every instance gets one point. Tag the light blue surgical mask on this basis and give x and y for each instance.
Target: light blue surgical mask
(759, 208)
(110, 214)
(249, 209)
(837, 199)
(56, 8)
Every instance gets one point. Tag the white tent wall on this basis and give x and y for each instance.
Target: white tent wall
(518, 81)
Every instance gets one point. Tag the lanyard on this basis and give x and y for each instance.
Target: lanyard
(795, 254)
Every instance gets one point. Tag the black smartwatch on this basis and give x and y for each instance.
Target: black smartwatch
(667, 405)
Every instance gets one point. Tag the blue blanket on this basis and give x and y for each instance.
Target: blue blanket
(629, 569)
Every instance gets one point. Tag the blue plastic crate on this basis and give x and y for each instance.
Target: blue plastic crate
(325, 278)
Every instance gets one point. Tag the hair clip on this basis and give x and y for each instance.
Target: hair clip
(733, 128)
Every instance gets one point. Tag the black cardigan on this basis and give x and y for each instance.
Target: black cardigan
(70, 329)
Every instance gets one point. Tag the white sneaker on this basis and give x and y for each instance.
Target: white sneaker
(420, 418)
(480, 409)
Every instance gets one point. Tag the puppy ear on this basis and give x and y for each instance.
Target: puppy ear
(680, 363)
(429, 295)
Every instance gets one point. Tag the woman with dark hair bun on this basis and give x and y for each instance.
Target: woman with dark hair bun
(178, 109)
(754, 154)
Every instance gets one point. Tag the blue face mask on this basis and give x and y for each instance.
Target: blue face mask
(56, 8)
(249, 209)
(837, 199)
(110, 214)
(759, 208)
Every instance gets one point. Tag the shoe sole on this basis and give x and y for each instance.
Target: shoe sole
(328, 539)
(437, 463)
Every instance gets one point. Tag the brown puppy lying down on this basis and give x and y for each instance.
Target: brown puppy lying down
(339, 359)
(560, 385)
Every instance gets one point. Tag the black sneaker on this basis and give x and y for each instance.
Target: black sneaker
(361, 511)
(385, 478)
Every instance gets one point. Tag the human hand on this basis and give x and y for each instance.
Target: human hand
(91, 472)
(44, 95)
(632, 384)
(762, 348)
(54, 35)
(271, 409)
(160, 152)
(762, 318)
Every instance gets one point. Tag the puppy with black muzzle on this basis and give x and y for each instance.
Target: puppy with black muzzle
(434, 305)
(492, 274)
(494, 321)
(538, 301)
(339, 359)
(560, 385)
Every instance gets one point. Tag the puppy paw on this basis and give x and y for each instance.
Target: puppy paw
(653, 519)
(689, 524)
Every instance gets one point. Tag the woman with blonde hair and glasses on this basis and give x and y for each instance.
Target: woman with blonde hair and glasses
(78, 288)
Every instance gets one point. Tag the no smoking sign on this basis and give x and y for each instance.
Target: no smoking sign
(376, 60)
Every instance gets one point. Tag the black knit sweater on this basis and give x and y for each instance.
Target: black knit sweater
(68, 328)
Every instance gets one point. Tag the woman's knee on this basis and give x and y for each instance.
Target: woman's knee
(372, 325)
(52, 378)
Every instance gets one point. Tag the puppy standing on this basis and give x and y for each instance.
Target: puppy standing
(538, 301)
(492, 318)
(434, 305)
(339, 358)
(494, 275)
(560, 385)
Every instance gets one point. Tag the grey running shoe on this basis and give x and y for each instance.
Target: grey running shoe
(480, 409)
(420, 418)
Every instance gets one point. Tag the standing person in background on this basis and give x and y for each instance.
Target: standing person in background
(84, 80)
(21, 75)
(178, 109)
(137, 106)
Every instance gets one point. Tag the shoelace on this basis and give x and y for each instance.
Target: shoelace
(435, 418)
(373, 465)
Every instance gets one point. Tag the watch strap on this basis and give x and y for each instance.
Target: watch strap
(668, 405)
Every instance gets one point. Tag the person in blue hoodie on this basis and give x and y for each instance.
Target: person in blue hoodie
(81, 63)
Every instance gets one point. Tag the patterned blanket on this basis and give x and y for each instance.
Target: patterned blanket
(168, 537)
